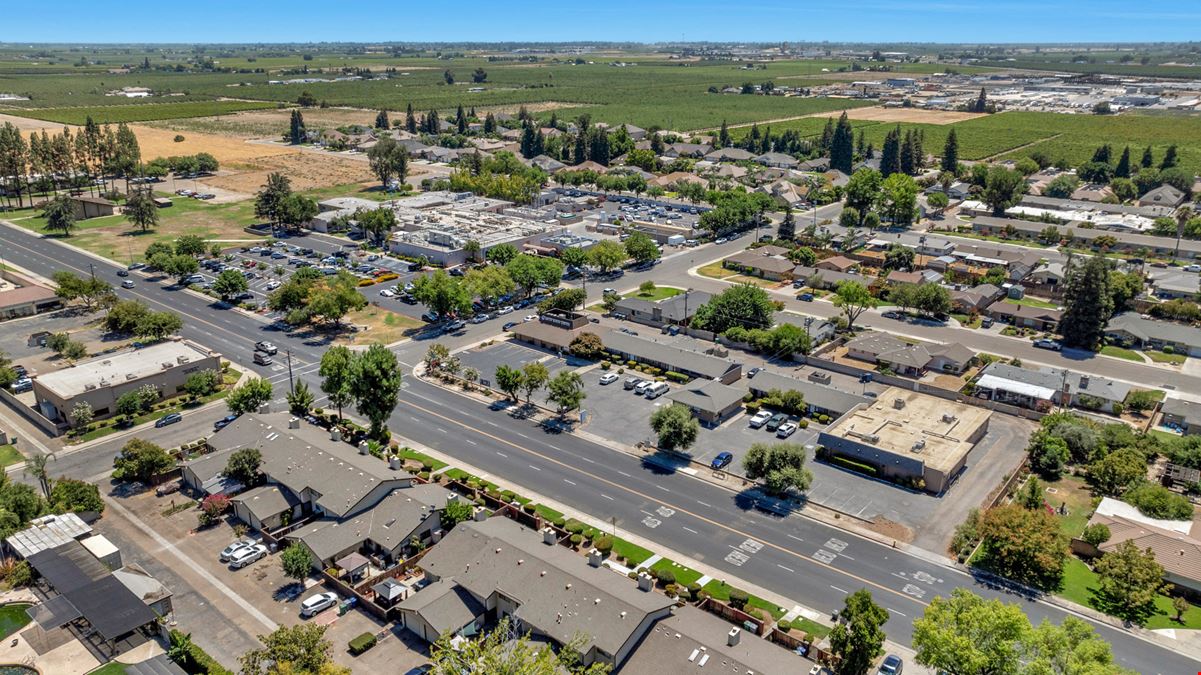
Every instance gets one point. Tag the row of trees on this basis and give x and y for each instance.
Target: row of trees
(46, 163)
(308, 296)
(565, 389)
(370, 380)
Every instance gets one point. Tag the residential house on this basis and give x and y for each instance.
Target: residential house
(1181, 414)
(636, 133)
(768, 262)
(824, 279)
(1173, 283)
(819, 165)
(1038, 388)
(1171, 542)
(819, 398)
(1132, 330)
(729, 155)
(669, 356)
(837, 263)
(899, 277)
(1164, 195)
(731, 171)
(973, 299)
(676, 310)
(956, 192)
(547, 164)
(510, 571)
(711, 402)
(777, 160)
(666, 181)
(1093, 192)
(1047, 278)
(1025, 316)
(904, 358)
(819, 330)
(693, 150)
(785, 192)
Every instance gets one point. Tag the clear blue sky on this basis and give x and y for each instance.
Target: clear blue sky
(616, 20)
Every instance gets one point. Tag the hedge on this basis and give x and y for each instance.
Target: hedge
(362, 643)
(199, 662)
(676, 377)
(852, 465)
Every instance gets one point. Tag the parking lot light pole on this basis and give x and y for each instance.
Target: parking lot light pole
(291, 383)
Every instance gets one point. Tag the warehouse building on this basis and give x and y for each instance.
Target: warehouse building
(909, 436)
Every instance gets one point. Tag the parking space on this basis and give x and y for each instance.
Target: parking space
(486, 359)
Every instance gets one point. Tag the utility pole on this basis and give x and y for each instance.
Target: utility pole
(93, 268)
(291, 384)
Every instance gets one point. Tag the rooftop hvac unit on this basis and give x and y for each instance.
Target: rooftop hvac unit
(182, 359)
(898, 403)
(131, 376)
(89, 386)
(948, 417)
(919, 444)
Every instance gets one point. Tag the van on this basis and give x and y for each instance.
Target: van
(262, 359)
(656, 390)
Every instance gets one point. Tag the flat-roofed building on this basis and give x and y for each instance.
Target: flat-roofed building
(909, 436)
(102, 380)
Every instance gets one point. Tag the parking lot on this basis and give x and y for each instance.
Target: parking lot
(486, 359)
(211, 600)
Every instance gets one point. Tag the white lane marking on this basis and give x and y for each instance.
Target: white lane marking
(470, 441)
(690, 530)
(607, 497)
(837, 589)
(790, 536)
(662, 488)
(786, 569)
(625, 474)
(501, 453)
(569, 482)
(703, 503)
(895, 611)
(441, 429)
(533, 467)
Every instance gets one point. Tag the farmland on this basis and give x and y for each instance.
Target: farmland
(113, 114)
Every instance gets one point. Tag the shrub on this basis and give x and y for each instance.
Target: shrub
(739, 597)
(1096, 534)
(575, 527)
(528, 508)
(676, 377)
(665, 576)
(603, 544)
(632, 574)
(784, 625)
(576, 540)
(694, 589)
(823, 418)
(605, 365)
(803, 424)
(362, 643)
(756, 612)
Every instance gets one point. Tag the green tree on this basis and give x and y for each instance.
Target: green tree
(81, 414)
(70, 495)
(291, 649)
(1141, 400)
(863, 191)
(376, 223)
(854, 299)
(530, 272)
(508, 379)
(388, 159)
(1023, 545)
(950, 153)
(641, 248)
(1088, 303)
(489, 283)
(296, 130)
(1095, 534)
(898, 257)
(296, 210)
(244, 465)
(1003, 188)
(898, 199)
(300, 399)
(443, 294)
(501, 254)
(858, 637)
(675, 426)
(1156, 501)
(141, 210)
(456, 511)
(157, 325)
(842, 146)
(337, 373)
(566, 391)
(607, 255)
(781, 466)
(268, 202)
(534, 376)
(141, 460)
(744, 305)
(498, 652)
(566, 301)
(967, 634)
(59, 213)
(376, 386)
(35, 466)
(1048, 453)
(1130, 579)
(296, 562)
(247, 398)
(230, 283)
(92, 292)
(1117, 471)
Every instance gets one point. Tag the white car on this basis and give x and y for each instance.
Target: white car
(608, 378)
(387, 293)
(531, 317)
(786, 429)
(315, 604)
(271, 286)
(127, 284)
(760, 418)
(641, 388)
(245, 556)
(228, 551)
(507, 309)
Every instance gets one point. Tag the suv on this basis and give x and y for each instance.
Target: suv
(891, 665)
(229, 551)
(315, 604)
(245, 556)
(261, 358)
(632, 382)
(641, 387)
(722, 460)
(264, 346)
(776, 420)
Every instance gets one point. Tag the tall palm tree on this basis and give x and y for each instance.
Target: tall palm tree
(1183, 215)
(36, 466)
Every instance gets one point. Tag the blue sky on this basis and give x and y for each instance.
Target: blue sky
(646, 21)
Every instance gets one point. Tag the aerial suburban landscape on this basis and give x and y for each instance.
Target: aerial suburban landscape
(451, 342)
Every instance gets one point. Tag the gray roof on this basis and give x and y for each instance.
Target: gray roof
(306, 458)
(1166, 195)
(266, 501)
(1149, 329)
(677, 358)
(444, 605)
(157, 665)
(1053, 378)
(1189, 411)
(817, 395)
(672, 310)
(828, 276)
(729, 154)
(888, 348)
(1060, 204)
(557, 592)
(389, 523)
(691, 639)
(708, 396)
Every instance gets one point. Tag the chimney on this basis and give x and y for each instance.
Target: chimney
(480, 514)
(364, 449)
(293, 423)
(644, 582)
(265, 409)
(335, 434)
(594, 557)
(436, 536)
(452, 498)
(1084, 381)
(733, 636)
(549, 536)
(394, 463)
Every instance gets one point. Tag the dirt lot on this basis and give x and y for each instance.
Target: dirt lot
(908, 115)
(307, 170)
(28, 124)
(268, 123)
(161, 143)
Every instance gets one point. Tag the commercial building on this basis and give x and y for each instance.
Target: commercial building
(92, 207)
(22, 296)
(102, 380)
(441, 234)
(670, 357)
(556, 329)
(909, 436)
(819, 398)
(711, 402)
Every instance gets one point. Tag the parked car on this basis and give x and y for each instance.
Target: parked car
(246, 556)
(1045, 343)
(315, 604)
(805, 297)
(776, 420)
(531, 317)
(760, 418)
(224, 422)
(787, 429)
(169, 418)
(507, 309)
(22, 385)
(722, 460)
(229, 551)
(632, 382)
(986, 322)
(457, 324)
(608, 378)
(892, 315)
(509, 326)
(891, 665)
(753, 372)
(264, 346)
(641, 387)
(387, 293)
(481, 317)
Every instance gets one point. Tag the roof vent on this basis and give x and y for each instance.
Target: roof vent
(131, 376)
(568, 587)
(898, 403)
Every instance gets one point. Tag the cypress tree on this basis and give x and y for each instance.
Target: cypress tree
(1088, 303)
(1103, 154)
(981, 102)
(1169, 158)
(528, 141)
(381, 120)
(907, 154)
(410, 120)
(751, 142)
(860, 144)
(1148, 158)
(723, 136)
(827, 136)
(842, 146)
(890, 157)
(950, 153)
(1123, 168)
(489, 124)
(787, 231)
(461, 120)
(296, 131)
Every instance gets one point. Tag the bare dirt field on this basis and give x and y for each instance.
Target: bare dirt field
(268, 123)
(161, 143)
(27, 124)
(907, 115)
(307, 170)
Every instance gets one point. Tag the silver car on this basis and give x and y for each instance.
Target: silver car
(245, 556)
(315, 604)
(229, 551)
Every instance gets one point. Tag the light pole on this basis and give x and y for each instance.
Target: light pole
(291, 383)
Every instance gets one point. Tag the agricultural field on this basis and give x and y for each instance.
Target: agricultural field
(112, 114)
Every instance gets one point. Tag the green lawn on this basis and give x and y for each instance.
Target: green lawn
(409, 453)
(10, 455)
(657, 293)
(684, 575)
(1161, 357)
(811, 627)
(110, 668)
(633, 553)
(1122, 353)
(548, 513)
(1079, 580)
(721, 590)
(968, 321)
(13, 618)
(1032, 302)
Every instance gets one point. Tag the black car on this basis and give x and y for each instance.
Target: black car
(722, 460)
(224, 422)
(122, 273)
(509, 325)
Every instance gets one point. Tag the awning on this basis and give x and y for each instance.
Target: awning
(994, 383)
(54, 613)
(352, 563)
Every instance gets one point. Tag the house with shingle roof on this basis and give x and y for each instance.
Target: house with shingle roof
(1038, 318)
(1132, 330)
(1164, 195)
(1037, 387)
(1177, 551)
(909, 359)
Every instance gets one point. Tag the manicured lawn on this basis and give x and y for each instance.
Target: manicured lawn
(657, 293)
(409, 453)
(13, 618)
(1078, 579)
(715, 270)
(684, 575)
(1160, 357)
(967, 321)
(1032, 302)
(809, 626)
(550, 514)
(110, 668)
(633, 553)
(10, 455)
(1121, 353)
(999, 240)
(1163, 435)
(721, 590)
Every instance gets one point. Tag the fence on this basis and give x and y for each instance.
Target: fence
(31, 415)
(734, 615)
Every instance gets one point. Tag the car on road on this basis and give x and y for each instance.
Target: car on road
(609, 291)
(224, 422)
(760, 418)
(753, 372)
(720, 240)
(531, 317)
(169, 418)
(245, 556)
(509, 326)
(608, 378)
(892, 315)
(805, 297)
(135, 266)
(722, 460)
(891, 665)
(776, 420)
(264, 346)
(122, 273)
(315, 604)
(229, 551)
(1045, 343)
(128, 283)
(481, 317)
(457, 324)
(787, 429)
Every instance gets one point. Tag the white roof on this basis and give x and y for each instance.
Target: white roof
(119, 368)
(100, 546)
(1032, 390)
(1113, 507)
(48, 532)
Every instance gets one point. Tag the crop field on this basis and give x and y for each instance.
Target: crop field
(112, 114)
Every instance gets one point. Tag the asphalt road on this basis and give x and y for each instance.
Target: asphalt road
(793, 556)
